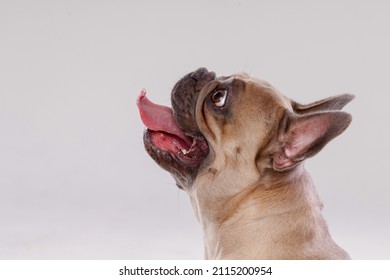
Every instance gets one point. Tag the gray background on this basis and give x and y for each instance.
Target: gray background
(75, 181)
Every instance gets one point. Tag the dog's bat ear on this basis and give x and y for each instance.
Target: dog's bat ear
(305, 135)
(331, 103)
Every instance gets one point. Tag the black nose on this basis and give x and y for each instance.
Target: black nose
(200, 74)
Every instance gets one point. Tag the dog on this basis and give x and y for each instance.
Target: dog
(236, 146)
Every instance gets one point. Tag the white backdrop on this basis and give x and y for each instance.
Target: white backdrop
(75, 181)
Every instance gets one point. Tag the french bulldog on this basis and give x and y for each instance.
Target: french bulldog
(236, 146)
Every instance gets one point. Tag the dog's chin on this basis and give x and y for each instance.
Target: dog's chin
(180, 157)
(178, 150)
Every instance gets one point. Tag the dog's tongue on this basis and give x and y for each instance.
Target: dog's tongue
(159, 118)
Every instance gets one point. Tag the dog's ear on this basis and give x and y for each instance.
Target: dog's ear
(305, 135)
(331, 103)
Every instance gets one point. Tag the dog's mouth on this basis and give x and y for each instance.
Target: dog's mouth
(166, 140)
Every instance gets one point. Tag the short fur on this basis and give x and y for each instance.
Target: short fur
(251, 193)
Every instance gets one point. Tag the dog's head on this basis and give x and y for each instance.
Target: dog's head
(235, 122)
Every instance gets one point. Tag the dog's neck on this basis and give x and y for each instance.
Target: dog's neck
(253, 208)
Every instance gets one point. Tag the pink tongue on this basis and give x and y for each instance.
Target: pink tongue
(159, 118)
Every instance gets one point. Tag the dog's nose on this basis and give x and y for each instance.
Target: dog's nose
(200, 74)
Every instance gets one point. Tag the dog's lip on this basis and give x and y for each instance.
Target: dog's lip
(164, 134)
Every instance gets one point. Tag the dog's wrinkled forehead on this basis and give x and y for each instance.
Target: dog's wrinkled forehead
(239, 75)
(198, 85)
(266, 89)
(257, 91)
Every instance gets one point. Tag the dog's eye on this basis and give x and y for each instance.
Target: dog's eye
(219, 97)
